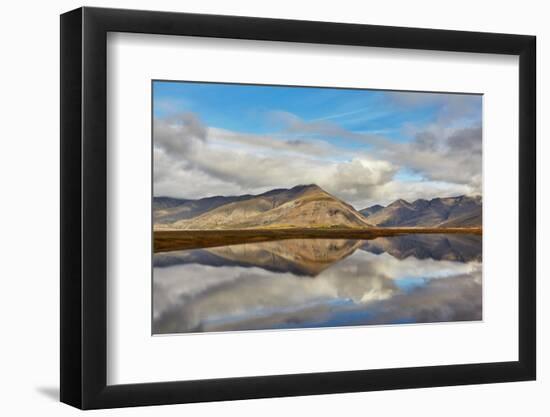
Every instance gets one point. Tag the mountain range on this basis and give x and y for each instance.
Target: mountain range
(461, 211)
(309, 206)
(303, 206)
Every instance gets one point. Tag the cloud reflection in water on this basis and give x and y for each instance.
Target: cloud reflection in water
(318, 283)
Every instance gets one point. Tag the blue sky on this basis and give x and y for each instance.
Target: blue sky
(349, 124)
(246, 108)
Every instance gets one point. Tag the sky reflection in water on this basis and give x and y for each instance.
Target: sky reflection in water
(303, 283)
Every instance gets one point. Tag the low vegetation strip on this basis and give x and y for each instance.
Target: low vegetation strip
(170, 240)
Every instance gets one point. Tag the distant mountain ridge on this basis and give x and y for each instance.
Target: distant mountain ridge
(460, 211)
(169, 210)
(309, 206)
(371, 210)
(303, 206)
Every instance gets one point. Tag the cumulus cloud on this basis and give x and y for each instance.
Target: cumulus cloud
(445, 156)
(176, 134)
(436, 151)
(451, 155)
(192, 160)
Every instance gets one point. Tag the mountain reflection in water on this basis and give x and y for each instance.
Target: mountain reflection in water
(301, 283)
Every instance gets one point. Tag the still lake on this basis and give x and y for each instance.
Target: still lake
(303, 283)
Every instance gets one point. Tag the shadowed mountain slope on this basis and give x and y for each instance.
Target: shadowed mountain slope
(462, 211)
(371, 210)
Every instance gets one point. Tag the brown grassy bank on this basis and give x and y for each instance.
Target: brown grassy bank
(169, 240)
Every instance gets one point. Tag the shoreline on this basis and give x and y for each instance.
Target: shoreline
(165, 240)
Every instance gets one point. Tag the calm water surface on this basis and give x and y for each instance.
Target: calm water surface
(303, 283)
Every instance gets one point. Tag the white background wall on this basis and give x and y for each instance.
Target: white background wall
(29, 175)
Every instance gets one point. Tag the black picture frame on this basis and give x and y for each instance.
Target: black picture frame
(84, 207)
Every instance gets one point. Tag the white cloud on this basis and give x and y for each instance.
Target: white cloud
(191, 162)
(194, 161)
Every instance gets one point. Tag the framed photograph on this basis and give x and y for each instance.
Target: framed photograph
(256, 208)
